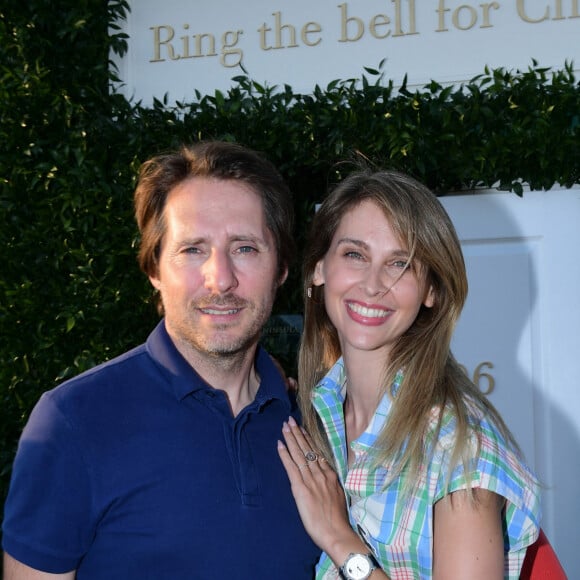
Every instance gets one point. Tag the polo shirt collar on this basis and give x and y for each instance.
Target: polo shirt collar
(185, 380)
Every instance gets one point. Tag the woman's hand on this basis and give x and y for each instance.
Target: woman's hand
(320, 498)
(317, 491)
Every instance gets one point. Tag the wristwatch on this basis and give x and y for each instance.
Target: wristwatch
(358, 566)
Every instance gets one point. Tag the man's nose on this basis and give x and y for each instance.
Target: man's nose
(219, 273)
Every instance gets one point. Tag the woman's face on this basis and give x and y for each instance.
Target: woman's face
(371, 292)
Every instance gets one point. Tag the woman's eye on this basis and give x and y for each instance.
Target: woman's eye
(403, 264)
(400, 266)
(353, 254)
(190, 250)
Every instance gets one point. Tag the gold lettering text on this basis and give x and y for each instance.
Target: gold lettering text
(376, 22)
(162, 37)
(524, 15)
(229, 43)
(465, 17)
(309, 29)
(307, 33)
(484, 381)
(345, 21)
(558, 11)
(399, 31)
(352, 28)
(479, 376)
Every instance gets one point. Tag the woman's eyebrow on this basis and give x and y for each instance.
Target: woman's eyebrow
(358, 243)
(402, 253)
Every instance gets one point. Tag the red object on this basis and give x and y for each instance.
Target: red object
(541, 562)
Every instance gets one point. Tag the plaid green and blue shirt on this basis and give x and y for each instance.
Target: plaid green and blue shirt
(399, 529)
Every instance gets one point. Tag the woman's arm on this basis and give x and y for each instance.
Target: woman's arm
(320, 499)
(468, 536)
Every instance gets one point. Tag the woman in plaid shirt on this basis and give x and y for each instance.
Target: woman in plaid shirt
(434, 482)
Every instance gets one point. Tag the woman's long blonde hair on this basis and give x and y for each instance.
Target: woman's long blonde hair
(432, 378)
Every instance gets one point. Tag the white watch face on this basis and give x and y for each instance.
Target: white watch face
(357, 567)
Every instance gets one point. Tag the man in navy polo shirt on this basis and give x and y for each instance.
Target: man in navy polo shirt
(162, 463)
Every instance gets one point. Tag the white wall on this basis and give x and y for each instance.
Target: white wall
(523, 317)
(304, 43)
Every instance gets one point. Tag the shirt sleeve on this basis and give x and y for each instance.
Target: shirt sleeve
(498, 468)
(48, 523)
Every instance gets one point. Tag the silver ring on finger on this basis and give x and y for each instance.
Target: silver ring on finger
(310, 456)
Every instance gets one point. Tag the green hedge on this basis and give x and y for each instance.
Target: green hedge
(71, 294)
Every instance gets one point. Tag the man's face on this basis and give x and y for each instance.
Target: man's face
(218, 267)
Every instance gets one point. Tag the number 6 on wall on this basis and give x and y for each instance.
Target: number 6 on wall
(479, 375)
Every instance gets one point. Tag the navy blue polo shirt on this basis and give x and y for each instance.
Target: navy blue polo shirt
(136, 469)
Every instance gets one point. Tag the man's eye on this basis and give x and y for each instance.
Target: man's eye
(190, 250)
(247, 249)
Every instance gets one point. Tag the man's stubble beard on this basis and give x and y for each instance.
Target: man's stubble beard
(219, 347)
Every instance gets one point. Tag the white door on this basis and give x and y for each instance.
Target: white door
(519, 335)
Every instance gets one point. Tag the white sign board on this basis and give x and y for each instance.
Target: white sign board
(178, 46)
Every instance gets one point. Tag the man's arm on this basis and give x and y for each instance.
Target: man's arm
(15, 570)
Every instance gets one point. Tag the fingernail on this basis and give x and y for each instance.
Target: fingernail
(285, 427)
(292, 422)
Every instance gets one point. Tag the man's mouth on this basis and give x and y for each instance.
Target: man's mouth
(220, 312)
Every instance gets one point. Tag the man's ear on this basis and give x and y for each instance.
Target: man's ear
(283, 276)
(318, 276)
(155, 282)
